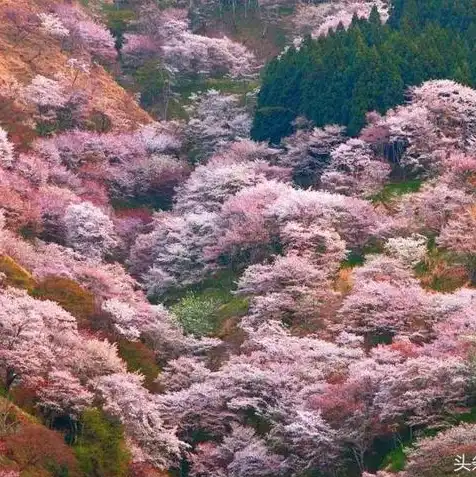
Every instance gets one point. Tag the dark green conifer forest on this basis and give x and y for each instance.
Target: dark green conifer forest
(340, 77)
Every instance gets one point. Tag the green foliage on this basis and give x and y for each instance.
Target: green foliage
(339, 78)
(202, 309)
(118, 21)
(272, 123)
(100, 448)
(395, 460)
(396, 189)
(45, 128)
(15, 275)
(68, 294)
(152, 81)
(139, 357)
(354, 259)
(197, 313)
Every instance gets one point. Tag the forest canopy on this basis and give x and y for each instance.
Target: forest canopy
(340, 77)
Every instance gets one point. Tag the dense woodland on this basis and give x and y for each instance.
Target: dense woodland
(214, 263)
(340, 77)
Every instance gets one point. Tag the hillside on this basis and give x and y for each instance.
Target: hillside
(237, 239)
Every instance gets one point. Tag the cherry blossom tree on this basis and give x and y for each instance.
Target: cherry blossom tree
(145, 177)
(189, 52)
(458, 235)
(320, 19)
(428, 210)
(63, 395)
(216, 119)
(53, 202)
(292, 289)
(31, 332)
(382, 268)
(417, 137)
(308, 151)
(6, 150)
(172, 255)
(310, 440)
(138, 49)
(348, 407)
(424, 391)
(354, 170)
(460, 170)
(47, 94)
(210, 185)
(240, 454)
(97, 39)
(336, 210)
(438, 455)
(452, 106)
(88, 358)
(89, 230)
(382, 308)
(409, 250)
(245, 235)
(52, 25)
(124, 397)
(182, 372)
(269, 381)
(76, 148)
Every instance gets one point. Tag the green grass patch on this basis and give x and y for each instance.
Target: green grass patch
(197, 313)
(201, 309)
(467, 417)
(395, 460)
(202, 313)
(396, 189)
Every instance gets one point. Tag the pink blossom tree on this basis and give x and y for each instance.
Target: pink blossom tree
(209, 186)
(124, 397)
(424, 391)
(47, 94)
(97, 39)
(245, 234)
(241, 453)
(216, 119)
(385, 309)
(172, 255)
(319, 20)
(438, 455)
(32, 334)
(52, 25)
(89, 230)
(63, 395)
(428, 210)
(308, 151)
(459, 236)
(354, 170)
(6, 149)
(292, 289)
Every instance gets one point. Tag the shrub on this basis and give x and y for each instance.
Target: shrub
(197, 313)
(69, 295)
(15, 275)
(139, 357)
(101, 449)
(35, 447)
